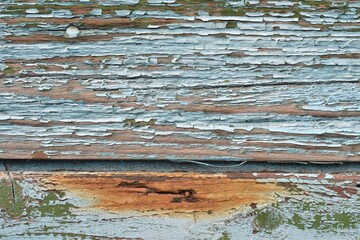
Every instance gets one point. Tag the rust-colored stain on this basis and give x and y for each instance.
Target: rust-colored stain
(170, 192)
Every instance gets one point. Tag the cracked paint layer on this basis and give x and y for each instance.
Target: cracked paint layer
(180, 80)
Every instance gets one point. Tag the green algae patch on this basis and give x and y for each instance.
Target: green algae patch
(225, 236)
(9, 71)
(130, 122)
(232, 12)
(304, 216)
(268, 219)
(12, 201)
(231, 24)
(53, 206)
(15, 204)
(292, 188)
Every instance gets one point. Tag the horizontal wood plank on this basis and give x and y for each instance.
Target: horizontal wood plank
(180, 80)
(140, 201)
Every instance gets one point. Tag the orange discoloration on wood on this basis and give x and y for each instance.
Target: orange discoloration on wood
(39, 155)
(169, 192)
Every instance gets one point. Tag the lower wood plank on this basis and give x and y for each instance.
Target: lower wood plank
(133, 204)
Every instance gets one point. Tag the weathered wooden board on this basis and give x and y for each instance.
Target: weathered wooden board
(168, 201)
(180, 80)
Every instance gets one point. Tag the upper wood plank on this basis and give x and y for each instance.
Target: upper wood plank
(180, 80)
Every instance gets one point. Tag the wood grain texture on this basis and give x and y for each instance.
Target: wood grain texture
(180, 80)
(51, 202)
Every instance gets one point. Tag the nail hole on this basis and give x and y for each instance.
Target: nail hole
(72, 32)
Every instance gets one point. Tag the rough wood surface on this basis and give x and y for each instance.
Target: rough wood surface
(176, 79)
(50, 201)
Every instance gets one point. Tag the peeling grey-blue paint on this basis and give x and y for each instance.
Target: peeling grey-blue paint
(187, 72)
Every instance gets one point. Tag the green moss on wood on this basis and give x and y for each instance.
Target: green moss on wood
(231, 24)
(232, 12)
(130, 122)
(304, 215)
(225, 236)
(12, 200)
(51, 206)
(269, 219)
(32, 25)
(42, 66)
(9, 71)
(14, 204)
(289, 187)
